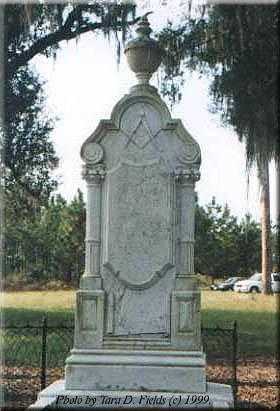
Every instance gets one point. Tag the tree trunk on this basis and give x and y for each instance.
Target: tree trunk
(2, 228)
(277, 246)
(263, 174)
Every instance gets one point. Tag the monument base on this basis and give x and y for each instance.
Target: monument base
(135, 370)
(217, 396)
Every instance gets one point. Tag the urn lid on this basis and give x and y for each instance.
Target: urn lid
(143, 53)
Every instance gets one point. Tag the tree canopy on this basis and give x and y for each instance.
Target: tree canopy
(38, 28)
(238, 47)
(224, 247)
(49, 244)
(29, 153)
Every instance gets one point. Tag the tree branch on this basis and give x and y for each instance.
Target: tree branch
(63, 33)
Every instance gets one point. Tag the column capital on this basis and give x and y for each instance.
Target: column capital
(94, 173)
(184, 176)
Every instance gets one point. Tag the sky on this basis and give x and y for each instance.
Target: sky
(85, 82)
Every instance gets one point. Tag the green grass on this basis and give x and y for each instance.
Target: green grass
(30, 306)
(23, 346)
(256, 315)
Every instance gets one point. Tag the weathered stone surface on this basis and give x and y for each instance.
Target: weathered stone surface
(137, 324)
(144, 370)
(139, 288)
(146, 220)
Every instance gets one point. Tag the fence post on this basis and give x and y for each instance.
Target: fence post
(234, 361)
(44, 353)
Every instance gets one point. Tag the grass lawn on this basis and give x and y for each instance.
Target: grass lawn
(30, 306)
(257, 315)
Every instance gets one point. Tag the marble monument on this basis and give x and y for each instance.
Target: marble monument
(137, 324)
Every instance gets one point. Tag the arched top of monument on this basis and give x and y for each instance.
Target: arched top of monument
(141, 125)
(150, 109)
(139, 94)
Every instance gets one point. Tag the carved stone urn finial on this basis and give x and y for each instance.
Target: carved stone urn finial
(143, 53)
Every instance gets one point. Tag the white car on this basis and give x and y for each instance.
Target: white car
(254, 284)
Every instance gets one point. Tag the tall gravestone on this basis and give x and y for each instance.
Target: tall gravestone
(137, 327)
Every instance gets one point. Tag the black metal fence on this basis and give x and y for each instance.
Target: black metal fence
(40, 349)
(222, 343)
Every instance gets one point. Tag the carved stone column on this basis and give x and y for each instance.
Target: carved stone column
(185, 318)
(89, 318)
(94, 175)
(185, 193)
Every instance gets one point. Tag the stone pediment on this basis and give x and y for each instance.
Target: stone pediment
(141, 130)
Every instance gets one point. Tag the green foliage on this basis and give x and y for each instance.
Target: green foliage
(32, 29)
(249, 245)
(38, 28)
(29, 162)
(29, 153)
(224, 247)
(238, 47)
(50, 243)
(64, 226)
(44, 239)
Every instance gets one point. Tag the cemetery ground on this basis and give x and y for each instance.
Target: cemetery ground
(256, 315)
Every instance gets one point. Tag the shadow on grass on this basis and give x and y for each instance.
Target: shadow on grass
(21, 317)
